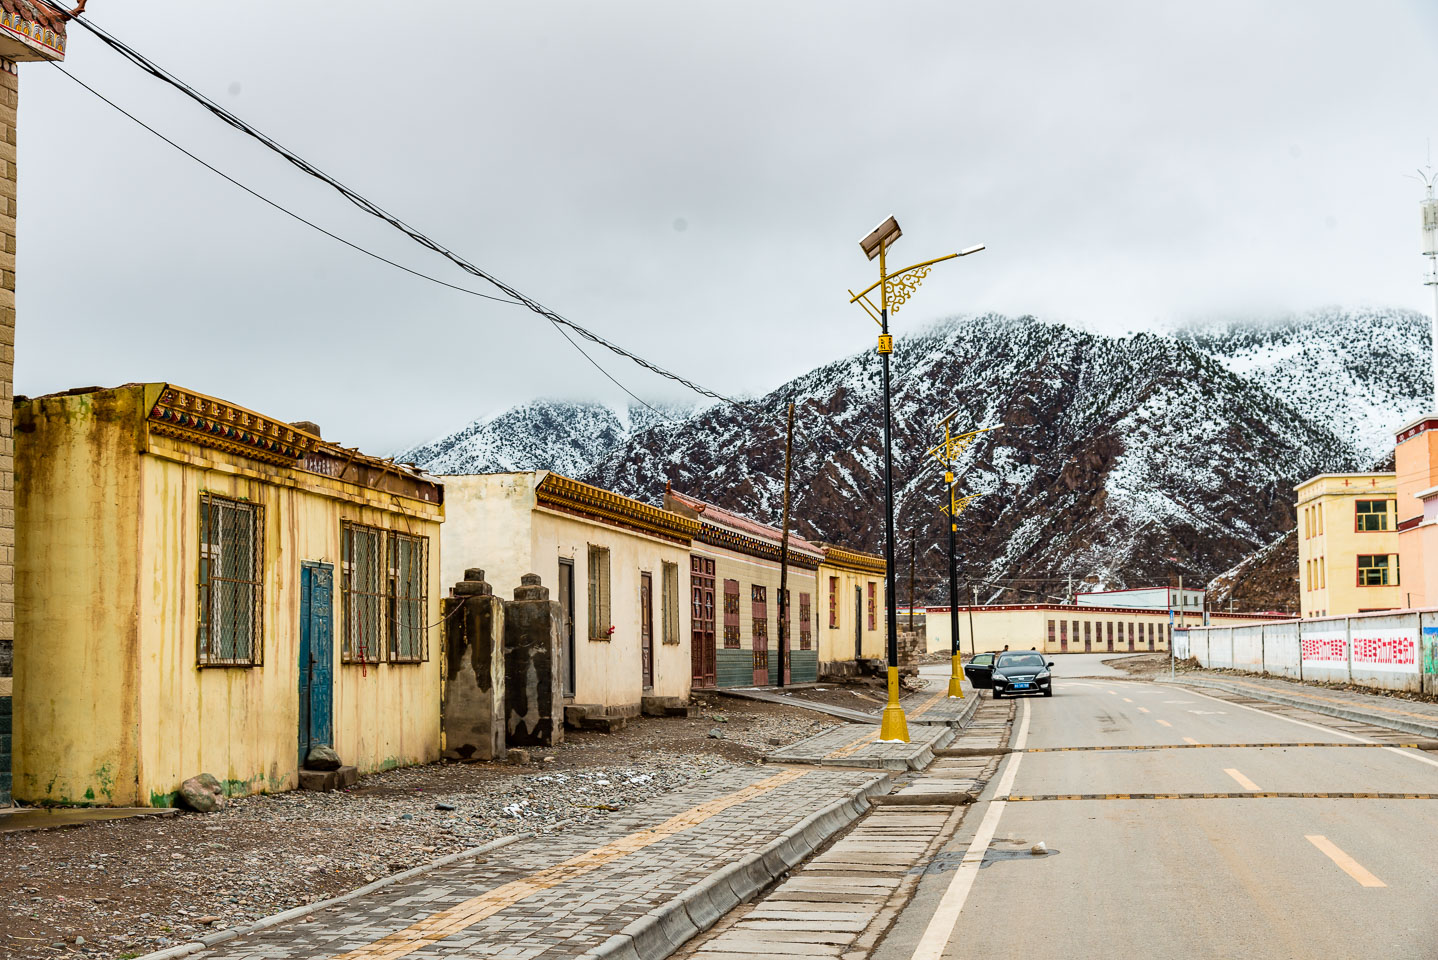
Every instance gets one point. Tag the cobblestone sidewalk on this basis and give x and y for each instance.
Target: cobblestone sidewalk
(565, 895)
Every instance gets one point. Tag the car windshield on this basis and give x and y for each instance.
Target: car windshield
(982, 659)
(1021, 660)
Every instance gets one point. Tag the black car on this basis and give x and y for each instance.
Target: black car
(1020, 672)
(979, 669)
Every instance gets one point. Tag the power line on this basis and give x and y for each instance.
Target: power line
(374, 210)
(333, 236)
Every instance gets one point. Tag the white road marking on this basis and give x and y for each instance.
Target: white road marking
(1243, 781)
(1206, 713)
(1127, 700)
(1345, 863)
(1313, 726)
(1178, 701)
(1190, 740)
(936, 936)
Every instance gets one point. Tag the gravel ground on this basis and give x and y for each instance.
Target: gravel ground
(117, 889)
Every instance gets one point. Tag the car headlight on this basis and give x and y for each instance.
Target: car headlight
(1042, 676)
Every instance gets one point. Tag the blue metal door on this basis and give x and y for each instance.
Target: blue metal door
(316, 666)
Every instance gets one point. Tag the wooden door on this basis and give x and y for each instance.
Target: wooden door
(1087, 644)
(646, 627)
(566, 609)
(702, 657)
(316, 666)
(759, 604)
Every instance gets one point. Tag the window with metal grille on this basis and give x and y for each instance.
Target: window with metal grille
(731, 614)
(601, 625)
(363, 592)
(806, 623)
(873, 605)
(833, 603)
(408, 598)
(231, 581)
(669, 601)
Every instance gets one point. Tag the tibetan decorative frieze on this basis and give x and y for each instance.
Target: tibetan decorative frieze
(31, 31)
(854, 560)
(207, 422)
(595, 503)
(717, 536)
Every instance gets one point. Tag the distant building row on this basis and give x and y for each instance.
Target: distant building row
(202, 588)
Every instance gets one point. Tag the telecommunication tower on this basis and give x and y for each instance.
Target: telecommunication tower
(1430, 250)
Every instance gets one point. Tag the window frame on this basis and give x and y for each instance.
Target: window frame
(598, 590)
(873, 609)
(669, 601)
(207, 561)
(833, 603)
(418, 604)
(363, 653)
(733, 635)
(806, 621)
(1390, 563)
(1360, 515)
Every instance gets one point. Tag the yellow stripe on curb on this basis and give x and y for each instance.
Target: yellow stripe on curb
(461, 916)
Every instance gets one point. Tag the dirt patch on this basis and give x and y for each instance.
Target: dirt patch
(122, 888)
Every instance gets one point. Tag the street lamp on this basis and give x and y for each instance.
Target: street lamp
(946, 453)
(894, 290)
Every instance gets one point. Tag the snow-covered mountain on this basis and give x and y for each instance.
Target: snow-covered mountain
(1129, 458)
(1363, 372)
(558, 435)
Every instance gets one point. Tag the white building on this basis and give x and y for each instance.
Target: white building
(1144, 598)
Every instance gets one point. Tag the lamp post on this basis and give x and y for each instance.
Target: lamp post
(946, 453)
(894, 289)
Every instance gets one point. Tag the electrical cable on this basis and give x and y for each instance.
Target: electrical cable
(374, 210)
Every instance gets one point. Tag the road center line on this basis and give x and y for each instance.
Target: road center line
(1313, 726)
(936, 936)
(1164, 722)
(1345, 863)
(1243, 781)
(1143, 709)
(1127, 700)
(1190, 740)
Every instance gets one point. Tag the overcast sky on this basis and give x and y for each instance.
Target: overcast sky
(691, 179)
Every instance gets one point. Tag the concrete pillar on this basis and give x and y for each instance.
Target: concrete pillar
(533, 692)
(473, 709)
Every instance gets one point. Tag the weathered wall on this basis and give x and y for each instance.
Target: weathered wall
(77, 669)
(837, 643)
(474, 688)
(137, 549)
(533, 688)
(487, 525)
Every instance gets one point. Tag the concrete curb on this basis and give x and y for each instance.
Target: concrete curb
(971, 706)
(666, 928)
(764, 696)
(1327, 709)
(264, 923)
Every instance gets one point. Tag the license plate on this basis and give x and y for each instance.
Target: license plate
(1020, 686)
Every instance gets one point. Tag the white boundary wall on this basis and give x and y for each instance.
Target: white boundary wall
(1386, 651)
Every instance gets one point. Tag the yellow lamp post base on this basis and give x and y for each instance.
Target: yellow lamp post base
(956, 687)
(893, 725)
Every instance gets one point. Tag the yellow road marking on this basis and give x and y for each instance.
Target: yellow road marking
(1112, 693)
(1190, 740)
(1127, 700)
(1243, 781)
(1143, 709)
(1345, 863)
(942, 695)
(1164, 722)
(859, 743)
(461, 916)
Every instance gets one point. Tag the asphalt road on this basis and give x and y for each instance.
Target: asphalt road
(1253, 878)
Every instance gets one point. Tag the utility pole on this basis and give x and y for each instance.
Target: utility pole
(946, 452)
(784, 556)
(894, 289)
(973, 649)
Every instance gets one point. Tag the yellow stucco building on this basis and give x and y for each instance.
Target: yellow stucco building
(851, 623)
(201, 588)
(1348, 545)
(1067, 628)
(619, 569)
